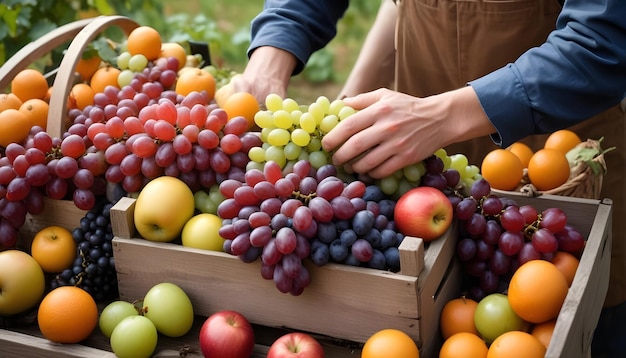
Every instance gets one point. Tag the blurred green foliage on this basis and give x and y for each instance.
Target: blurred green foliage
(26, 20)
(224, 25)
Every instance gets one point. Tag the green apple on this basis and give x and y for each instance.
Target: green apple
(162, 208)
(494, 316)
(202, 232)
(169, 308)
(134, 337)
(113, 314)
(22, 282)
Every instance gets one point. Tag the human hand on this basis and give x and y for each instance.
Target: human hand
(391, 130)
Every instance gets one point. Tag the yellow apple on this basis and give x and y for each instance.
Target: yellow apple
(202, 232)
(22, 282)
(162, 208)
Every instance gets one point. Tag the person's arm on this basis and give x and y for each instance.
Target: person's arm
(300, 27)
(578, 72)
(375, 66)
(283, 37)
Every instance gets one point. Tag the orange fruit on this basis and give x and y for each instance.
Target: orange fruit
(104, 76)
(14, 126)
(87, 65)
(195, 79)
(516, 344)
(463, 345)
(502, 169)
(523, 152)
(81, 96)
(537, 291)
(37, 111)
(457, 316)
(9, 100)
(242, 104)
(29, 83)
(176, 50)
(548, 169)
(54, 248)
(390, 343)
(562, 140)
(543, 332)
(567, 264)
(144, 40)
(67, 314)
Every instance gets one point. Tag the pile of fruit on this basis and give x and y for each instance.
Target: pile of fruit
(212, 170)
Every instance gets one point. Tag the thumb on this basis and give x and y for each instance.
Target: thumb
(364, 100)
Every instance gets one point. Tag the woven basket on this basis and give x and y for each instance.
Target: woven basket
(80, 33)
(585, 180)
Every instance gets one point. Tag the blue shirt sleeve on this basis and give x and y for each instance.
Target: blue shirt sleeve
(578, 72)
(297, 26)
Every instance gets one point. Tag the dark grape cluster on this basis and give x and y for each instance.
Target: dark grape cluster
(496, 236)
(285, 218)
(94, 266)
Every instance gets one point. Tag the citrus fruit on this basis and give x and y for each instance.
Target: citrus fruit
(54, 248)
(176, 50)
(567, 264)
(67, 314)
(523, 152)
(37, 111)
(14, 126)
(562, 140)
(88, 65)
(543, 331)
(144, 40)
(537, 291)
(242, 104)
(104, 76)
(9, 100)
(195, 79)
(548, 169)
(390, 343)
(502, 169)
(81, 96)
(463, 345)
(457, 316)
(516, 344)
(29, 83)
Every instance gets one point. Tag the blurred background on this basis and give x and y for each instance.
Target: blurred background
(223, 24)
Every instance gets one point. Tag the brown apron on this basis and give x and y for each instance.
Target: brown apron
(443, 44)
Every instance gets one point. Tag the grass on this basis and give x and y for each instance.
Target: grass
(225, 26)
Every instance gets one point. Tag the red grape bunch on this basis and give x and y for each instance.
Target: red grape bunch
(496, 236)
(285, 218)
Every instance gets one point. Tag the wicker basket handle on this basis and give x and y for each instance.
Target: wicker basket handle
(37, 49)
(57, 112)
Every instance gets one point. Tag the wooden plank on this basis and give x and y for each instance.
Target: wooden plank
(16, 344)
(342, 301)
(580, 312)
(56, 212)
(412, 256)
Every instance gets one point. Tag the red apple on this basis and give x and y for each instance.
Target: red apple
(423, 212)
(227, 334)
(295, 345)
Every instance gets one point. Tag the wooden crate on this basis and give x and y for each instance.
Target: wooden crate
(350, 303)
(343, 302)
(216, 280)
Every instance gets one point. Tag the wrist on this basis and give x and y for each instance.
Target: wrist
(271, 63)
